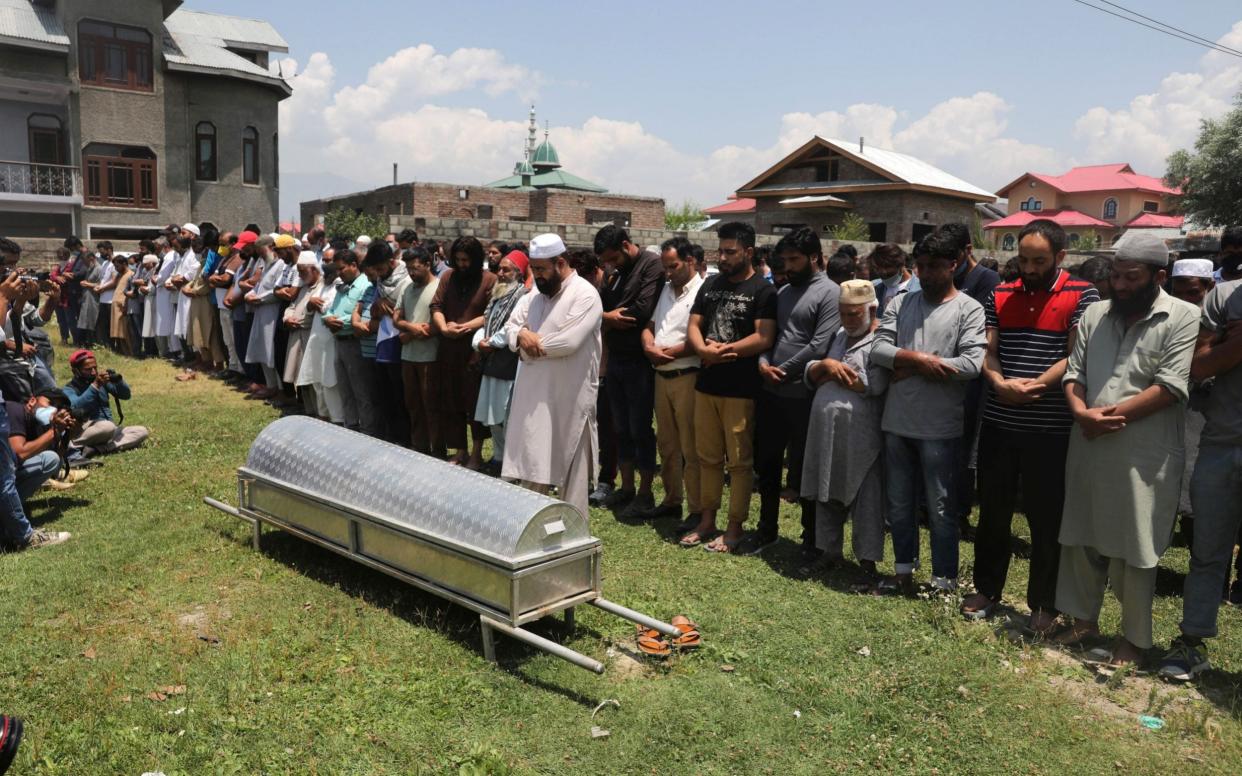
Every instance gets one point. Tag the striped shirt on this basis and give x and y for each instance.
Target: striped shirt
(1034, 333)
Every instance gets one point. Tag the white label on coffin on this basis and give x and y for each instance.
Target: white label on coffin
(553, 528)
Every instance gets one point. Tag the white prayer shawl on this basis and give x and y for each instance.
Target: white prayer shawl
(187, 268)
(318, 365)
(262, 346)
(148, 303)
(165, 313)
(552, 413)
(298, 319)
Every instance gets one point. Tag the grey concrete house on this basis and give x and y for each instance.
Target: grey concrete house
(117, 118)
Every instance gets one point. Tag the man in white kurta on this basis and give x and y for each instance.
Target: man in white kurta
(551, 430)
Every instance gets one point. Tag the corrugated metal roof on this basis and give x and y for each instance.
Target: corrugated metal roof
(552, 179)
(813, 199)
(21, 20)
(246, 33)
(910, 169)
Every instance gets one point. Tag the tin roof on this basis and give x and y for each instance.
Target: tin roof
(22, 23)
(200, 42)
(232, 31)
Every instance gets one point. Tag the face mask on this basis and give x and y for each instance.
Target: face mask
(44, 415)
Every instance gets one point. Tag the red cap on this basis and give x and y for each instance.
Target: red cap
(519, 259)
(79, 356)
(244, 239)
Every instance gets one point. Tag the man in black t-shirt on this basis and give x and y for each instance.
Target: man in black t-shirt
(732, 321)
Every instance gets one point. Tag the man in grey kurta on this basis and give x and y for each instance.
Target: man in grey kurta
(842, 469)
(933, 341)
(1126, 382)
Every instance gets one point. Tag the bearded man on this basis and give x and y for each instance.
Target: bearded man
(842, 473)
(551, 437)
(1031, 323)
(1126, 382)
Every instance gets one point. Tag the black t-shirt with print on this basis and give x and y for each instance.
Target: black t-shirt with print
(729, 311)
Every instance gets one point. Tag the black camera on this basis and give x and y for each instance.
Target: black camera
(25, 277)
(112, 375)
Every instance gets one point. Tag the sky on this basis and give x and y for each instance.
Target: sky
(689, 100)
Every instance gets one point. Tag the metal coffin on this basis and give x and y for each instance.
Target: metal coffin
(501, 550)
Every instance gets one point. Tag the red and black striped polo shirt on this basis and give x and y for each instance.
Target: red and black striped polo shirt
(1034, 330)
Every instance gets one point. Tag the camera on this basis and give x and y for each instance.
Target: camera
(112, 375)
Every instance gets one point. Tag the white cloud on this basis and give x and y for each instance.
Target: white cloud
(1154, 125)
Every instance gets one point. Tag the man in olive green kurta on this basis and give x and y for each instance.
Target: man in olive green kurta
(1126, 382)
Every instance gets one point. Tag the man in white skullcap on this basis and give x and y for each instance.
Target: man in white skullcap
(1126, 382)
(1192, 279)
(556, 333)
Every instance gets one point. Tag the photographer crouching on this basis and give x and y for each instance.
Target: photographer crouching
(39, 432)
(90, 392)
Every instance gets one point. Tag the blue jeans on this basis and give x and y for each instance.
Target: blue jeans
(631, 391)
(929, 464)
(34, 471)
(1215, 494)
(14, 527)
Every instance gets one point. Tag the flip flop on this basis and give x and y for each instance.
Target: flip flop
(982, 613)
(689, 638)
(695, 539)
(650, 643)
(725, 546)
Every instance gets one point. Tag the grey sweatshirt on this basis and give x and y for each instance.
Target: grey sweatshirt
(807, 317)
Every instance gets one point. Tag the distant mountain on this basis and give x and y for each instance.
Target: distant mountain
(297, 187)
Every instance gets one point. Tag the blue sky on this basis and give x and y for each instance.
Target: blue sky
(680, 99)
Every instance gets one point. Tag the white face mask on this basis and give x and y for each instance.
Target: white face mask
(44, 415)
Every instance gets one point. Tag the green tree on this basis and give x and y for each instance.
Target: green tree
(681, 217)
(852, 228)
(347, 225)
(1210, 177)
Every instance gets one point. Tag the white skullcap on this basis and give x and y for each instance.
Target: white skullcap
(1144, 247)
(308, 259)
(192, 229)
(1193, 268)
(546, 246)
(150, 258)
(363, 241)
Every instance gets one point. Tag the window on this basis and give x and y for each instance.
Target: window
(1009, 242)
(275, 160)
(205, 145)
(620, 218)
(250, 155)
(1024, 205)
(1074, 238)
(115, 56)
(877, 232)
(1151, 207)
(1110, 208)
(484, 211)
(119, 176)
(47, 139)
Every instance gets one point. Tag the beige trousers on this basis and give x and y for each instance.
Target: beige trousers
(679, 460)
(1081, 581)
(724, 435)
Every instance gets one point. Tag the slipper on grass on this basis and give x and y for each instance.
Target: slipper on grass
(650, 643)
(695, 539)
(722, 545)
(689, 637)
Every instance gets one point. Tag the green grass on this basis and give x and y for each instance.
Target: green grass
(326, 668)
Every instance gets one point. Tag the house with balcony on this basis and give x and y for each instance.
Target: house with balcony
(118, 118)
(1095, 205)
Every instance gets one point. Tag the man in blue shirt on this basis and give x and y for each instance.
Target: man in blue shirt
(90, 392)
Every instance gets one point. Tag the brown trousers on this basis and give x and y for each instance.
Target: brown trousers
(422, 387)
(724, 435)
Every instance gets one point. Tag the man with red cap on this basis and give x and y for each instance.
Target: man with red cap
(91, 391)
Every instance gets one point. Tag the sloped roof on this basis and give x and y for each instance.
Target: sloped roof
(1066, 217)
(551, 179)
(889, 166)
(22, 23)
(735, 205)
(1156, 221)
(1099, 177)
(814, 200)
(193, 42)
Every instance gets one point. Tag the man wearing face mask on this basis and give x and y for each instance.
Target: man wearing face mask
(892, 277)
(551, 430)
(807, 316)
(35, 428)
(1126, 382)
(1031, 324)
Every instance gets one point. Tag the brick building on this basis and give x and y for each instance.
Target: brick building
(118, 118)
(901, 198)
(539, 190)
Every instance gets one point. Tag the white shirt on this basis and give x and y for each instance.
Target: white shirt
(671, 319)
(107, 276)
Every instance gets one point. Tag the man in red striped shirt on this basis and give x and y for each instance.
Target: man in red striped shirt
(1026, 424)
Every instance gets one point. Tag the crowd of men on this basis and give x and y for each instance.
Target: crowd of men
(886, 390)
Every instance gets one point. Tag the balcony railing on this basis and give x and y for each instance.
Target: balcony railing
(49, 180)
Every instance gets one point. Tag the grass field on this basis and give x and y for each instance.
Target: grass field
(158, 640)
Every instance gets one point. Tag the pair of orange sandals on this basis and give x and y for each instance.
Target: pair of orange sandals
(651, 641)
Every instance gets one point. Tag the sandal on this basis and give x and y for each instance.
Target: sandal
(894, 586)
(650, 643)
(722, 545)
(695, 539)
(975, 613)
(689, 637)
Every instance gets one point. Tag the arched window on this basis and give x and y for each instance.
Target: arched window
(205, 151)
(47, 138)
(1007, 244)
(250, 155)
(1110, 208)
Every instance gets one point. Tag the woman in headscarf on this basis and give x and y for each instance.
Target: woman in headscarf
(457, 311)
(499, 364)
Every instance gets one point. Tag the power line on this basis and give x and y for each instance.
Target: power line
(1171, 27)
(1212, 46)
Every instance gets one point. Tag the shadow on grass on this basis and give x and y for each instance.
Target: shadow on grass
(52, 508)
(1169, 583)
(1224, 689)
(415, 606)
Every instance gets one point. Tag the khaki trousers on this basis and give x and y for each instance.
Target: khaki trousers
(1083, 575)
(674, 411)
(724, 430)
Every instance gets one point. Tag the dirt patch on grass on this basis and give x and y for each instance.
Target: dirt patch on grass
(625, 663)
(203, 622)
